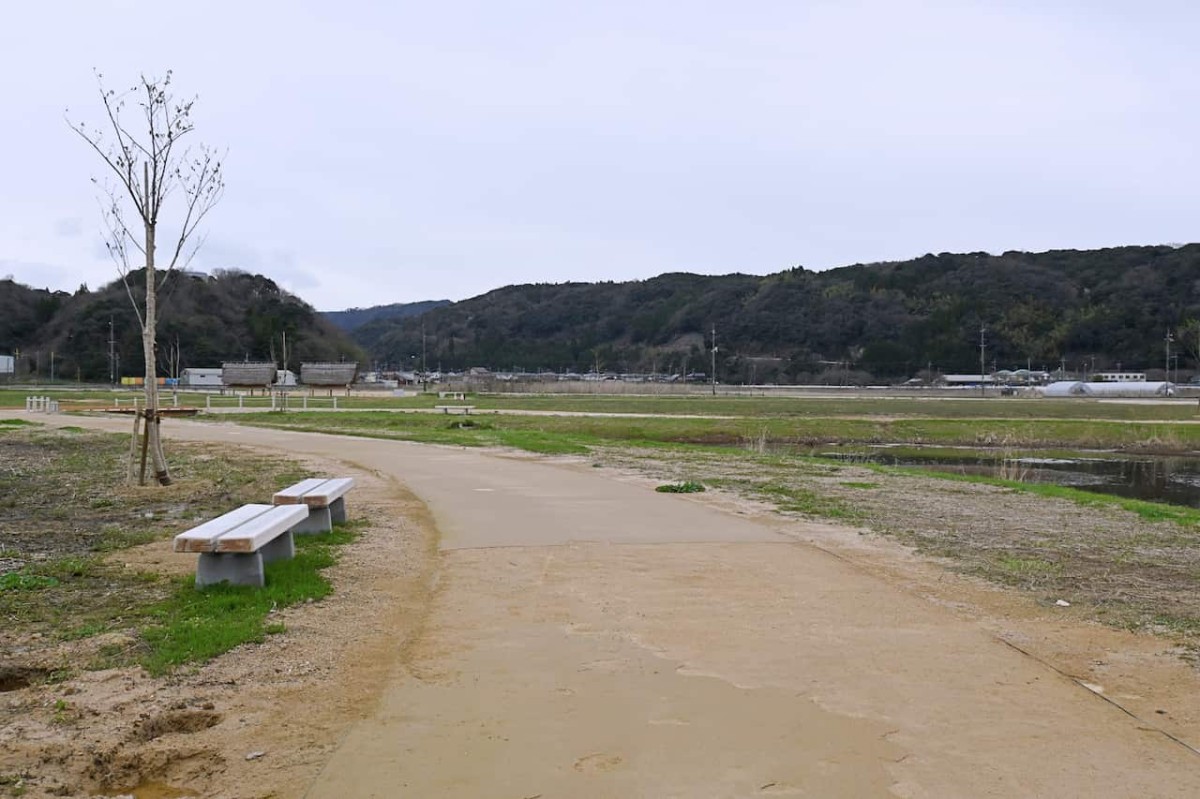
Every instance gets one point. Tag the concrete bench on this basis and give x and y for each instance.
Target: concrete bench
(464, 409)
(454, 395)
(324, 498)
(234, 547)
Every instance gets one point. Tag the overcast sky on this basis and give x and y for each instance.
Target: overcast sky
(392, 152)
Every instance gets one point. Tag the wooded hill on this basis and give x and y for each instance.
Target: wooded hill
(890, 320)
(354, 318)
(204, 320)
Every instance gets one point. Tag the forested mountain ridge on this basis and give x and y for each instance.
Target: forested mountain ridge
(203, 321)
(887, 319)
(1106, 308)
(353, 318)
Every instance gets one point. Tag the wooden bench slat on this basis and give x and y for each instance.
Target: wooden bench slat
(200, 538)
(261, 530)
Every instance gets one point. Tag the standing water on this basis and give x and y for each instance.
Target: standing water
(1175, 480)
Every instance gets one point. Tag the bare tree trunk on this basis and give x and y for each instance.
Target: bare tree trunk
(148, 350)
(196, 175)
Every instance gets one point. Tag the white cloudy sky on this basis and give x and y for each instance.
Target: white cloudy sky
(396, 151)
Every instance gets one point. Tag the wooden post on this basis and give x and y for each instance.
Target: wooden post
(145, 446)
(133, 448)
(163, 477)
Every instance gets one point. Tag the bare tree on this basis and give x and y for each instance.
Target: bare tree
(142, 143)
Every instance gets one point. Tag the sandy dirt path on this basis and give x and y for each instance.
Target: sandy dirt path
(591, 638)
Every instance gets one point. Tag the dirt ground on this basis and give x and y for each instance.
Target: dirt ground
(259, 721)
(727, 644)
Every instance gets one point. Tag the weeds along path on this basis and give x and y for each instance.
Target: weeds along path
(589, 637)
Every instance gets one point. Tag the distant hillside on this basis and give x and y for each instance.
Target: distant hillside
(204, 320)
(354, 318)
(887, 320)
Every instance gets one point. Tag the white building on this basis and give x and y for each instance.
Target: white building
(204, 377)
(967, 380)
(8, 365)
(1119, 377)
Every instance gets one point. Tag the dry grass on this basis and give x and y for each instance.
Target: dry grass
(1130, 571)
(64, 505)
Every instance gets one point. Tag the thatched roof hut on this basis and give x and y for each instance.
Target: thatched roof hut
(247, 374)
(328, 374)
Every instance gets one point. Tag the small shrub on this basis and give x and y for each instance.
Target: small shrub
(20, 581)
(688, 487)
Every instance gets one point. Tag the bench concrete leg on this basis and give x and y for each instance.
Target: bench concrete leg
(337, 511)
(282, 548)
(235, 568)
(318, 521)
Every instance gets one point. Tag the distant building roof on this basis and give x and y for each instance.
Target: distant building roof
(328, 374)
(968, 379)
(248, 373)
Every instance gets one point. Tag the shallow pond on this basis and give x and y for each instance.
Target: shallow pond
(1164, 479)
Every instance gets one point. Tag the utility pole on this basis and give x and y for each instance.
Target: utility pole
(51, 366)
(112, 361)
(424, 371)
(982, 349)
(1167, 366)
(714, 360)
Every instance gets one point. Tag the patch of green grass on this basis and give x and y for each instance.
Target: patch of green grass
(23, 581)
(66, 568)
(114, 538)
(1176, 624)
(194, 626)
(1027, 566)
(686, 487)
(788, 429)
(17, 423)
(57, 676)
(13, 784)
(541, 442)
(86, 630)
(1150, 511)
(797, 499)
(111, 656)
(63, 712)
